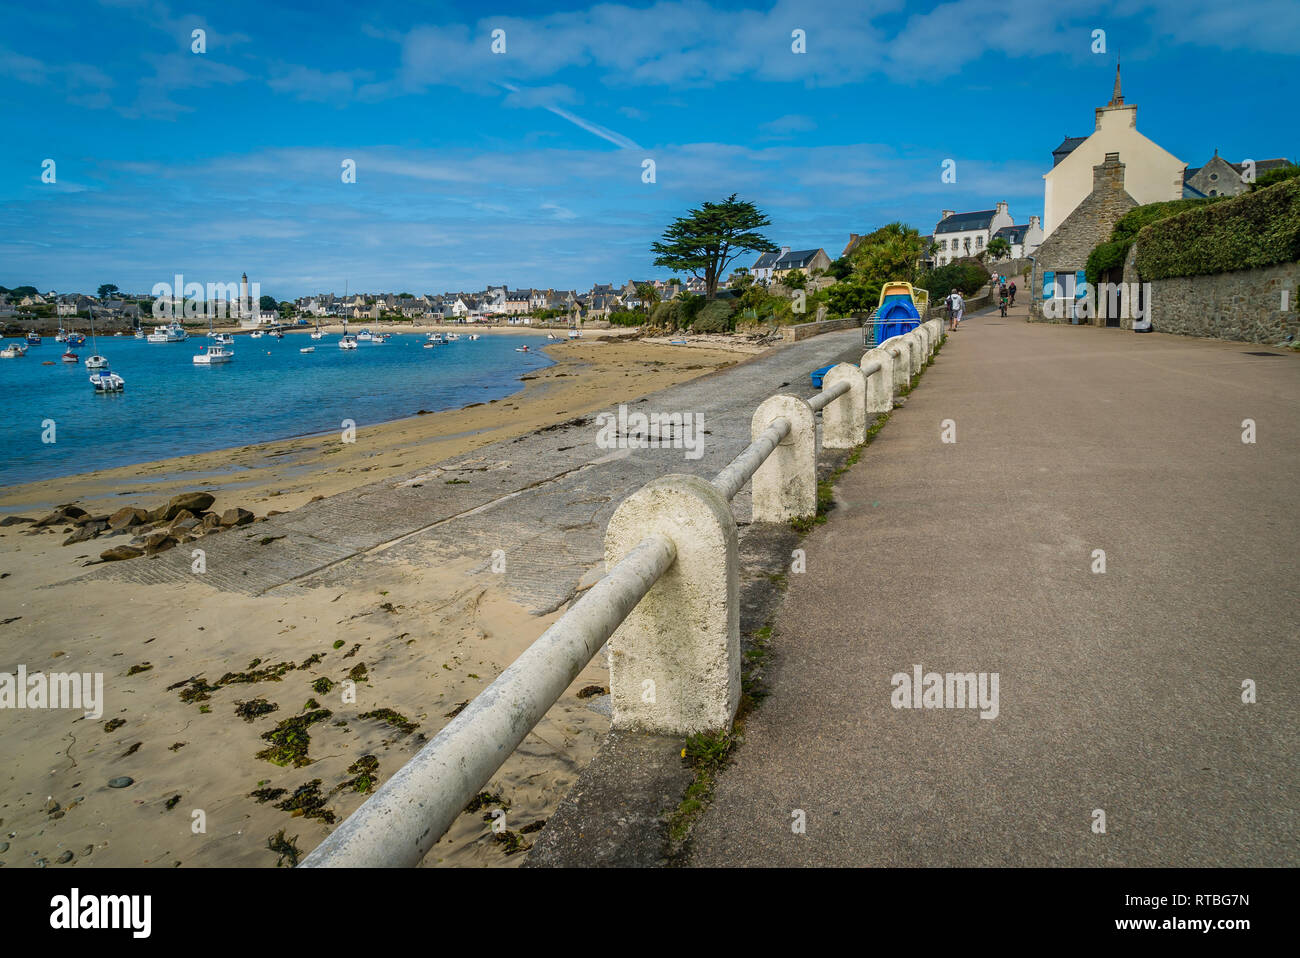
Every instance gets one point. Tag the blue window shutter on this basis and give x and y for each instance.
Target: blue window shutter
(1080, 284)
(1049, 281)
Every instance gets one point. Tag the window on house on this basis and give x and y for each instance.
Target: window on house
(1214, 176)
(979, 242)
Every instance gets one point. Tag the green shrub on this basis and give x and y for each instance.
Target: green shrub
(714, 316)
(963, 275)
(1275, 176)
(627, 318)
(844, 299)
(1113, 252)
(1247, 232)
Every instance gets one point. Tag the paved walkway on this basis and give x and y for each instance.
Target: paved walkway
(1118, 691)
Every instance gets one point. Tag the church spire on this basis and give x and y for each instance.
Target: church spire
(1117, 97)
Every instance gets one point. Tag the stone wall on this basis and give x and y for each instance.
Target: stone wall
(792, 334)
(1244, 306)
(1066, 251)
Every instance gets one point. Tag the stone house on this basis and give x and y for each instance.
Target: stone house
(1218, 177)
(1153, 173)
(1058, 272)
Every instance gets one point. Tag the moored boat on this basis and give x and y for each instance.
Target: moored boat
(172, 332)
(75, 339)
(33, 338)
(348, 341)
(96, 362)
(106, 381)
(213, 355)
(70, 357)
(13, 351)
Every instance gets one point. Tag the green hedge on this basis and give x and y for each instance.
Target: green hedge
(714, 317)
(963, 275)
(1248, 232)
(1113, 252)
(627, 318)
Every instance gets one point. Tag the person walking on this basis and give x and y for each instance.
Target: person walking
(956, 307)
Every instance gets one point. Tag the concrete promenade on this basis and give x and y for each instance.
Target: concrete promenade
(1119, 691)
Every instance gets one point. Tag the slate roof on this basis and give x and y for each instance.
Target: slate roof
(962, 222)
(796, 259)
(1068, 146)
(767, 260)
(1012, 234)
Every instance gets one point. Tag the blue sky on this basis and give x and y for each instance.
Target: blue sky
(526, 167)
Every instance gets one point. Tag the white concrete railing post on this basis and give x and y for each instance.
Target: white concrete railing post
(880, 387)
(917, 347)
(844, 420)
(901, 354)
(674, 664)
(936, 334)
(785, 486)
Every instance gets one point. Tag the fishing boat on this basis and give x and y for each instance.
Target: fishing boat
(256, 334)
(13, 351)
(60, 336)
(33, 338)
(70, 357)
(95, 361)
(106, 381)
(436, 339)
(222, 339)
(213, 355)
(75, 339)
(172, 332)
(365, 336)
(139, 333)
(452, 337)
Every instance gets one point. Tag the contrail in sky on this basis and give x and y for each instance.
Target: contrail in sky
(604, 133)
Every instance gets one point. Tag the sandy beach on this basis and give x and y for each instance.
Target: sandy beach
(236, 730)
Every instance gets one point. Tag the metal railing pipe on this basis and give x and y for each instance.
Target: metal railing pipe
(400, 823)
(733, 478)
(828, 395)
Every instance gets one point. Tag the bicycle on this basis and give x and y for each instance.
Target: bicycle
(1002, 304)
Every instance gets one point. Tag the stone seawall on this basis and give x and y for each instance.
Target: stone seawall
(793, 334)
(1243, 306)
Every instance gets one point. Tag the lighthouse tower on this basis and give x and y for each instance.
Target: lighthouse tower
(245, 307)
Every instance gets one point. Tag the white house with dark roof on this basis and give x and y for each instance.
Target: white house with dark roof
(967, 234)
(1152, 174)
(772, 266)
(1023, 239)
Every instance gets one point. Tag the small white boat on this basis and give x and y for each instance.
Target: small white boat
(139, 333)
(452, 337)
(317, 334)
(348, 342)
(475, 336)
(222, 339)
(575, 334)
(171, 333)
(437, 339)
(551, 336)
(70, 357)
(212, 355)
(105, 381)
(365, 336)
(521, 349)
(96, 362)
(256, 334)
(307, 349)
(13, 351)
(60, 336)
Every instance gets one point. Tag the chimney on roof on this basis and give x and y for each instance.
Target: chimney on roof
(1002, 207)
(784, 250)
(1034, 222)
(946, 214)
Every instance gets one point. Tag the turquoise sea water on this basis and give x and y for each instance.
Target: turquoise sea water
(270, 391)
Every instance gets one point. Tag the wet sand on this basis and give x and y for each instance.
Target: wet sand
(195, 680)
